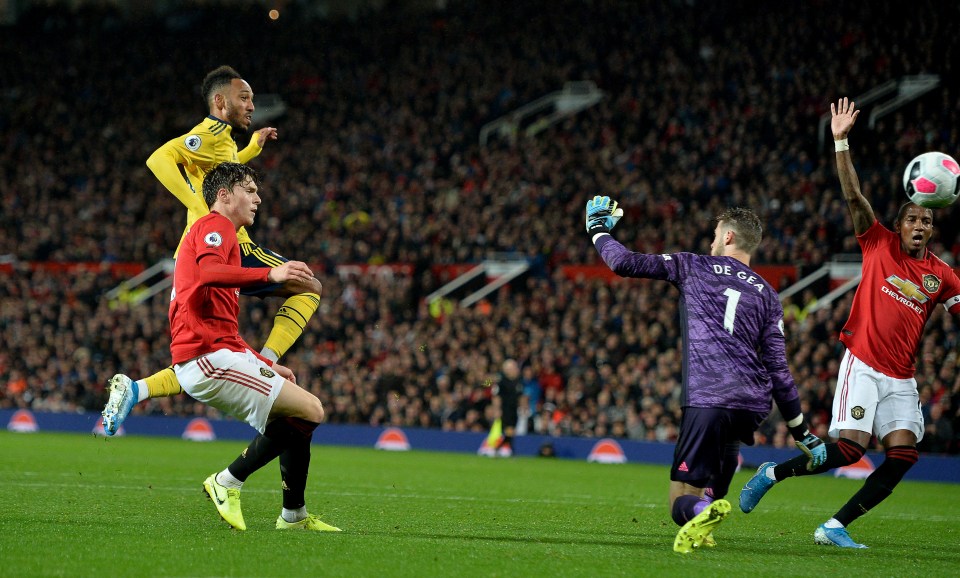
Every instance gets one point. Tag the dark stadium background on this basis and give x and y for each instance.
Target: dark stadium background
(380, 182)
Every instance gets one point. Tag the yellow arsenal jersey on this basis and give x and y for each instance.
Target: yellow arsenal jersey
(181, 163)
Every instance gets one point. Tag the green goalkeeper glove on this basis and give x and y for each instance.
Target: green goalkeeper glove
(602, 215)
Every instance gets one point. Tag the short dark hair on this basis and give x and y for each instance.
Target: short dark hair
(746, 226)
(226, 176)
(903, 210)
(215, 80)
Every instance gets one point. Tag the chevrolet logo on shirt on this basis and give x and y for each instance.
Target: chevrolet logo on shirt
(907, 288)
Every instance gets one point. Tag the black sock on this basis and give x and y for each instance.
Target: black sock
(295, 463)
(842, 453)
(294, 467)
(506, 440)
(880, 484)
(276, 437)
(259, 453)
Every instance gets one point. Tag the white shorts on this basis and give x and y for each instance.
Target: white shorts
(239, 384)
(869, 401)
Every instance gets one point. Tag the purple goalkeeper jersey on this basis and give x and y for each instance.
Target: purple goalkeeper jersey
(734, 353)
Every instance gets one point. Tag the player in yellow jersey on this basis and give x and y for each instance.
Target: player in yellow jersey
(180, 165)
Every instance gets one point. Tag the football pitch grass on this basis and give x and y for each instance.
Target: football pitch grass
(79, 505)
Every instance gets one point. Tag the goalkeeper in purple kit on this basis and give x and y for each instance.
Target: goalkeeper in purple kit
(734, 361)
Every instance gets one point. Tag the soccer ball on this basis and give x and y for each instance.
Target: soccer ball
(930, 180)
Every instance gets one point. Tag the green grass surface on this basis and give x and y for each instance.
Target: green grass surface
(76, 505)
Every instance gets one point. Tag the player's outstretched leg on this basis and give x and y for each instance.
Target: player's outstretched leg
(694, 532)
(311, 522)
(124, 394)
(227, 501)
(825, 536)
(757, 487)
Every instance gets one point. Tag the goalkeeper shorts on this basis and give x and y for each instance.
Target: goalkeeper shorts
(701, 446)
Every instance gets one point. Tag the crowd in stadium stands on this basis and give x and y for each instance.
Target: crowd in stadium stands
(378, 161)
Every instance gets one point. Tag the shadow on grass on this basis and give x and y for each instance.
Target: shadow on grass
(572, 540)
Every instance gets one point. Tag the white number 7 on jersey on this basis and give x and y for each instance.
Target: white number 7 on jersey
(733, 298)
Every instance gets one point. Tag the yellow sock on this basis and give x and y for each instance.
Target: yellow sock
(290, 322)
(163, 383)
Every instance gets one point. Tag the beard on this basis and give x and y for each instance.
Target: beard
(235, 118)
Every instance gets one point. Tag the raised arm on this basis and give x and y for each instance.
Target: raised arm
(844, 115)
(603, 213)
(257, 141)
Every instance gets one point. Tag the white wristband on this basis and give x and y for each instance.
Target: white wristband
(841, 145)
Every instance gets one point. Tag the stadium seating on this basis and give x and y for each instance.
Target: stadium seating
(379, 161)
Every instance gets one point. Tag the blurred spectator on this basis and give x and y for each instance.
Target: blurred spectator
(938, 436)
(378, 162)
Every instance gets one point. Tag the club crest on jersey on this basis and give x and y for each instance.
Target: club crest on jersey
(192, 142)
(857, 412)
(213, 239)
(266, 372)
(931, 283)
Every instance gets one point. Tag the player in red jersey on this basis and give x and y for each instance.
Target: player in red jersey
(876, 392)
(215, 365)
(180, 165)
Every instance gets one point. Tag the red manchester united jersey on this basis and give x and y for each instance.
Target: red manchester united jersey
(205, 300)
(896, 297)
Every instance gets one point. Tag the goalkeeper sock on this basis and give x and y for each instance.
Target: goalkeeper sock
(879, 484)
(687, 506)
(842, 453)
(288, 325)
(161, 384)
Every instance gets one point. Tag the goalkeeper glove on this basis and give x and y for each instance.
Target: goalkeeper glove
(815, 450)
(602, 215)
